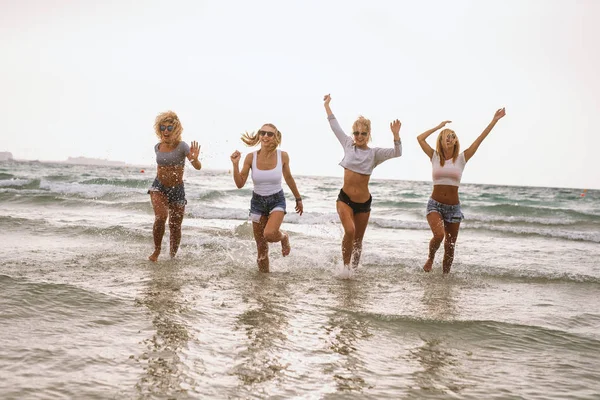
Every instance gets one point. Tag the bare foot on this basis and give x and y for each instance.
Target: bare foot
(428, 265)
(154, 255)
(285, 245)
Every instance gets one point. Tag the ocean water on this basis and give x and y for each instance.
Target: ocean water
(84, 315)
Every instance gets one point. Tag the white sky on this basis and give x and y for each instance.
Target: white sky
(87, 78)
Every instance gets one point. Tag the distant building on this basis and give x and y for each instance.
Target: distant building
(5, 156)
(93, 161)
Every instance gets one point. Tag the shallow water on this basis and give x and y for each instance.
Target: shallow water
(84, 315)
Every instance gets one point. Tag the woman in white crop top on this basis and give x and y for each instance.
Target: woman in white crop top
(354, 200)
(443, 208)
(267, 207)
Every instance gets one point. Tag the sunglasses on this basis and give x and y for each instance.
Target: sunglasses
(365, 134)
(166, 128)
(263, 133)
(451, 136)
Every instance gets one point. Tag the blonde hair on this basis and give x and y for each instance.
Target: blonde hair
(440, 147)
(362, 121)
(168, 118)
(252, 139)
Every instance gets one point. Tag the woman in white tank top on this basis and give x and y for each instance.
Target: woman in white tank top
(267, 207)
(444, 213)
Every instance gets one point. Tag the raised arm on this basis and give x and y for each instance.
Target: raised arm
(193, 155)
(423, 136)
(240, 177)
(333, 123)
(385, 154)
(289, 179)
(470, 152)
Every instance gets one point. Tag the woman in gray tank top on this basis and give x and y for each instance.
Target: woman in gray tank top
(167, 192)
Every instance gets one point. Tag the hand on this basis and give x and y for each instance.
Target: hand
(395, 127)
(299, 207)
(327, 99)
(195, 150)
(443, 124)
(235, 157)
(499, 114)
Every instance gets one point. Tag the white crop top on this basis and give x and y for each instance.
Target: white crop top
(361, 161)
(450, 173)
(267, 182)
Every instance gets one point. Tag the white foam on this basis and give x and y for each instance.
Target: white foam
(344, 271)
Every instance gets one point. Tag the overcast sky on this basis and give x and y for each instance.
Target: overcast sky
(87, 78)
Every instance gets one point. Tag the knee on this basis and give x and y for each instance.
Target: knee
(271, 235)
(350, 233)
(160, 219)
(438, 237)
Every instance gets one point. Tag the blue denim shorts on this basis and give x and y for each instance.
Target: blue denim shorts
(449, 213)
(175, 194)
(265, 205)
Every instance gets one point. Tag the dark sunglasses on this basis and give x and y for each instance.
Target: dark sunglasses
(167, 128)
(263, 133)
(365, 134)
(451, 136)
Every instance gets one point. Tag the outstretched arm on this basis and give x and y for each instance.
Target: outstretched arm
(333, 123)
(240, 177)
(193, 155)
(385, 154)
(470, 152)
(289, 179)
(423, 136)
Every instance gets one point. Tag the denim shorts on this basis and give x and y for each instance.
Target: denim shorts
(449, 213)
(175, 194)
(265, 205)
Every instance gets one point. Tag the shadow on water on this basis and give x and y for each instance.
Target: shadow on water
(162, 364)
(439, 359)
(264, 323)
(344, 332)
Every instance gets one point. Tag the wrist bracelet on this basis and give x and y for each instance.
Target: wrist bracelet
(298, 199)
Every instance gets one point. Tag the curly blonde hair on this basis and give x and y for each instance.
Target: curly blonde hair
(168, 118)
(439, 147)
(362, 122)
(252, 139)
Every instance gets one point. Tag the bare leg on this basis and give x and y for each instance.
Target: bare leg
(273, 234)
(347, 219)
(437, 228)
(161, 212)
(361, 221)
(449, 245)
(175, 219)
(262, 245)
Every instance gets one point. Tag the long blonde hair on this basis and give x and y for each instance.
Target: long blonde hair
(440, 147)
(168, 118)
(252, 139)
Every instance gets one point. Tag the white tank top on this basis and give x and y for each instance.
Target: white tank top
(450, 173)
(267, 182)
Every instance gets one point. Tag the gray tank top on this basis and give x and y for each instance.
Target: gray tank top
(175, 157)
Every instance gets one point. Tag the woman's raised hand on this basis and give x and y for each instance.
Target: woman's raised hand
(327, 99)
(195, 150)
(499, 114)
(235, 157)
(395, 127)
(443, 124)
